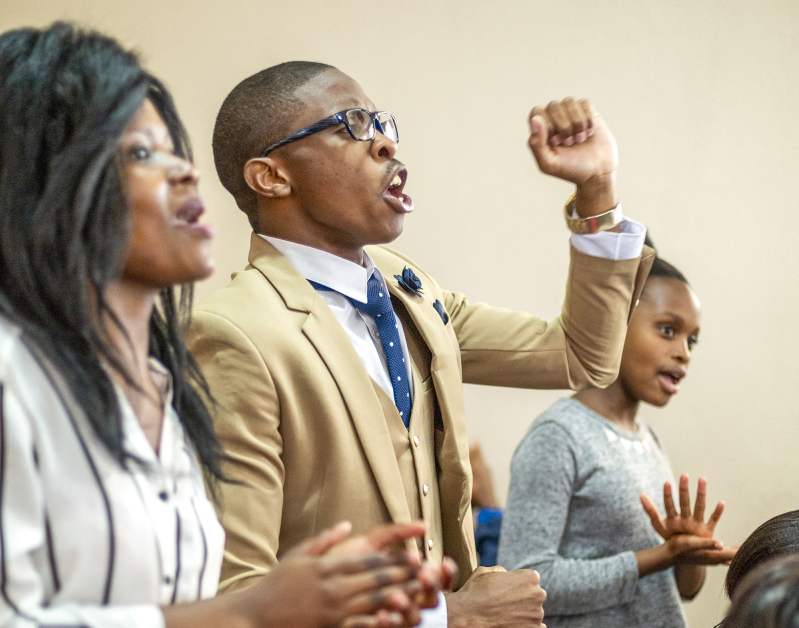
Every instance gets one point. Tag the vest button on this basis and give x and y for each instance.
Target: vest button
(416, 441)
(430, 544)
(425, 489)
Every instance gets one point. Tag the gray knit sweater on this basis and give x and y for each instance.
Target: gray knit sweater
(574, 514)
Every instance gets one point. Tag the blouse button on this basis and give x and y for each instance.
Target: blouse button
(430, 544)
(167, 580)
(163, 497)
(425, 489)
(416, 441)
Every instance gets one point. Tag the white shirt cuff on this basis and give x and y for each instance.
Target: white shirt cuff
(611, 245)
(435, 617)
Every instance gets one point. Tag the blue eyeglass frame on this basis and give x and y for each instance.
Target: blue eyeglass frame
(336, 118)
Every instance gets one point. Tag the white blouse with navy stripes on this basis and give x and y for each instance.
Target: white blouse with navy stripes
(85, 542)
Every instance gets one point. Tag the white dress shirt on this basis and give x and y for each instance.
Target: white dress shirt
(86, 542)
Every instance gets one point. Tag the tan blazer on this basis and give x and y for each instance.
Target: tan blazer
(303, 423)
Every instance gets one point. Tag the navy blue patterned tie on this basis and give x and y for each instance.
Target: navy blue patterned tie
(379, 307)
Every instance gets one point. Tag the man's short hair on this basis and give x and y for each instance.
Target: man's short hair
(257, 113)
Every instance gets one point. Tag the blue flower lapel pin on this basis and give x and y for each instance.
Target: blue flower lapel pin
(441, 311)
(409, 282)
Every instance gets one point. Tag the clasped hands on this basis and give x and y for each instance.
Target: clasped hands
(688, 538)
(369, 581)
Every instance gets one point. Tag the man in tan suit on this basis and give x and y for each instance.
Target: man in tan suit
(312, 406)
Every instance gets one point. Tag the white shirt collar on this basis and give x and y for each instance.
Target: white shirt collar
(337, 273)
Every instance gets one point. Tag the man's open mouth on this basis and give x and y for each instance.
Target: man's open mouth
(394, 191)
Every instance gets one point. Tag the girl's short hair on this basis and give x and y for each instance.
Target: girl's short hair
(662, 268)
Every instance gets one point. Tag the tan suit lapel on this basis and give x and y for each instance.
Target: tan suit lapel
(330, 340)
(444, 363)
(446, 374)
(427, 321)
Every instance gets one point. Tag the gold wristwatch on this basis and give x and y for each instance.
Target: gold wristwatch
(592, 224)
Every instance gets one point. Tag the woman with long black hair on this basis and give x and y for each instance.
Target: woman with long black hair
(105, 442)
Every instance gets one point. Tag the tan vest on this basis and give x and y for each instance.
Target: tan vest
(415, 452)
(415, 448)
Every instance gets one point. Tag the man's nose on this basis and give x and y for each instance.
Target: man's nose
(382, 147)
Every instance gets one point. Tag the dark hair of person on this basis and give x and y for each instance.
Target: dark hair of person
(662, 268)
(256, 114)
(779, 536)
(66, 97)
(768, 597)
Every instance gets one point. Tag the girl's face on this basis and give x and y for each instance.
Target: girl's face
(168, 243)
(663, 331)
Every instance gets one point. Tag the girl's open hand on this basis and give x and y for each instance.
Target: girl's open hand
(686, 534)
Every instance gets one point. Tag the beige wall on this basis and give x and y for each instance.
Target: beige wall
(702, 97)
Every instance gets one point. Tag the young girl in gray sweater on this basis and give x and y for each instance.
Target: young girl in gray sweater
(585, 468)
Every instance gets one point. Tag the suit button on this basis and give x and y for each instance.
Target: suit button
(416, 441)
(425, 489)
(430, 544)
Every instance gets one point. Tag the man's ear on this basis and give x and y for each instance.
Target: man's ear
(266, 177)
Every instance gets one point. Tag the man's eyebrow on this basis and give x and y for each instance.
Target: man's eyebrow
(356, 103)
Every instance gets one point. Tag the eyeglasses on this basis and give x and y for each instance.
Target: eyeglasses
(361, 125)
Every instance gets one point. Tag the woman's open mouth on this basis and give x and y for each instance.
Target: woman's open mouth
(188, 217)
